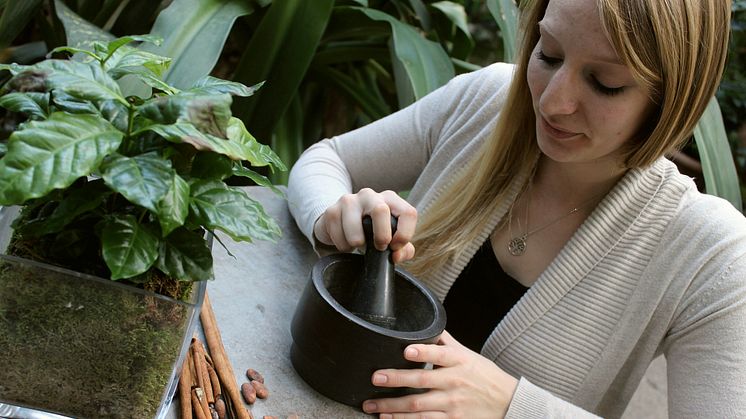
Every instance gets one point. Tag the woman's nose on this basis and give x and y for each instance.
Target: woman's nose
(560, 96)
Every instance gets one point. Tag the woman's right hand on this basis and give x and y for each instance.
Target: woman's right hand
(341, 224)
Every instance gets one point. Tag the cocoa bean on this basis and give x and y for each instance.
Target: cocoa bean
(261, 390)
(254, 375)
(249, 393)
(220, 407)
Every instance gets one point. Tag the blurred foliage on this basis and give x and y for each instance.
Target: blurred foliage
(732, 93)
(329, 66)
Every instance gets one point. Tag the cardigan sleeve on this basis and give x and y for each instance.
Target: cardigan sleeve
(706, 349)
(388, 154)
(531, 401)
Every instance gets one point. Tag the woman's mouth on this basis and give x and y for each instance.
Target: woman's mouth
(556, 132)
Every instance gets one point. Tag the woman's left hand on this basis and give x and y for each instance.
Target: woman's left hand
(463, 384)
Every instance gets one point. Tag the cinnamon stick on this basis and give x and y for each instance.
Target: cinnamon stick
(185, 386)
(201, 365)
(203, 401)
(220, 360)
(197, 360)
(197, 406)
(214, 381)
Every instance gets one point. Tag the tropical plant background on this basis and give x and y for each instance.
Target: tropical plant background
(329, 66)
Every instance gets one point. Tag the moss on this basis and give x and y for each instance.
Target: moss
(83, 348)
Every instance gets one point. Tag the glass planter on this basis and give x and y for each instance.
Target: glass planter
(80, 346)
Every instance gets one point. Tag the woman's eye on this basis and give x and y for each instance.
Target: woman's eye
(605, 90)
(549, 61)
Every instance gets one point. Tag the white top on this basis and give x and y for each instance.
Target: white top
(657, 268)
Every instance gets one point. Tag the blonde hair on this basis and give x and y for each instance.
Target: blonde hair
(676, 48)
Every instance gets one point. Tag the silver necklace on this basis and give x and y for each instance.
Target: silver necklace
(517, 245)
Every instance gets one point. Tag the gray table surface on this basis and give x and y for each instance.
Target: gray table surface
(254, 296)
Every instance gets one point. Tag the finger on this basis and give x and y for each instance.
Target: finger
(352, 225)
(332, 226)
(380, 214)
(433, 401)
(403, 254)
(438, 355)
(406, 216)
(414, 378)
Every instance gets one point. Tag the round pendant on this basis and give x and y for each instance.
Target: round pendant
(517, 245)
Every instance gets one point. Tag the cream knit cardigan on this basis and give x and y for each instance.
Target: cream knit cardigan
(657, 268)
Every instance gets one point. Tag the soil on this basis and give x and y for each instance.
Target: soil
(85, 348)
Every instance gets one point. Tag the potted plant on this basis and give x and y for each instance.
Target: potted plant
(115, 186)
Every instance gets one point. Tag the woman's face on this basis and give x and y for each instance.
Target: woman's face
(586, 101)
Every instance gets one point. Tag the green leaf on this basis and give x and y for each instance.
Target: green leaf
(280, 52)
(259, 154)
(461, 41)
(52, 154)
(79, 201)
(173, 208)
(230, 210)
(212, 86)
(208, 113)
(128, 60)
(240, 145)
(184, 255)
(128, 247)
(3, 149)
(16, 15)
(422, 14)
(212, 166)
(33, 104)
(144, 180)
(721, 178)
(420, 65)
(260, 180)
(114, 45)
(79, 32)
(85, 81)
(194, 32)
(505, 13)
(64, 102)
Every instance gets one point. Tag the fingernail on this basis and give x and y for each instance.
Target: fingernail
(385, 416)
(379, 379)
(411, 353)
(369, 407)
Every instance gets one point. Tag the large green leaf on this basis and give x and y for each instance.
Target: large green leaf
(184, 255)
(505, 13)
(16, 15)
(216, 206)
(79, 201)
(459, 38)
(193, 33)
(128, 247)
(86, 81)
(52, 154)
(420, 65)
(128, 60)
(144, 180)
(720, 174)
(259, 154)
(33, 104)
(208, 113)
(79, 32)
(209, 85)
(173, 208)
(456, 13)
(280, 52)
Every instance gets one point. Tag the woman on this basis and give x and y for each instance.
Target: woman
(543, 191)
